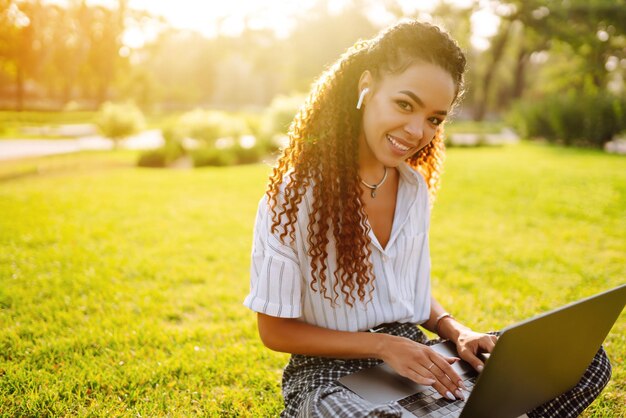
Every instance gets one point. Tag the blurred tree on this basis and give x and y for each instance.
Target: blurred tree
(457, 21)
(493, 58)
(21, 23)
(253, 69)
(75, 52)
(9, 30)
(595, 30)
(104, 34)
(590, 30)
(321, 37)
(141, 87)
(183, 65)
(65, 39)
(54, 49)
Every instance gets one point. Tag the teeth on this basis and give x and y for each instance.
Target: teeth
(397, 144)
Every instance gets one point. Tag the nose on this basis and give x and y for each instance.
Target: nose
(415, 127)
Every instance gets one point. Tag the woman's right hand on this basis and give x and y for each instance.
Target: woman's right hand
(423, 365)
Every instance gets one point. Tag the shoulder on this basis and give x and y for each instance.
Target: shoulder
(285, 207)
(290, 194)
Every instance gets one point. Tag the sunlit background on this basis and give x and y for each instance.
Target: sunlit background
(215, 18)
(181, 54)
(526, 60)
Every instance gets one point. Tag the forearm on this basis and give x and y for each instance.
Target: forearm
(407, 357)
(448, 328)
(289, 335)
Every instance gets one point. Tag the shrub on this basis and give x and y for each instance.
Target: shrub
(208, 156)
(236, 154)
(209, 125)
(573, 119)
(117, 121)
(160, 157)
(271, 145)
(164, 156)
(247, 155)
(254, 122)
(172, 131)
(223, 139)
(153, 158)
(279, 115)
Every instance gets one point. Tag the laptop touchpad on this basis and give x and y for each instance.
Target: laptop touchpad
(380, 384)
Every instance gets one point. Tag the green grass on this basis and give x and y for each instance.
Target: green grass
(12, 122)
(121, 288)
(47, 118)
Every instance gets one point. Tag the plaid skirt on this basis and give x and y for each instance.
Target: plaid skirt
(310, 387)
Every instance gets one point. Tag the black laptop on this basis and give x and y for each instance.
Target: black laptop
(533, 362)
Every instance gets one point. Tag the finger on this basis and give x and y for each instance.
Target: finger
(452, 360)
(419, 378)
(445, 392)
(447, 378)
(489, 343)
(473, 361)
(494, 340)
(448, 370)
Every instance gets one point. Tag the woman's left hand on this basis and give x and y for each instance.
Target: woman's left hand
(469, 344)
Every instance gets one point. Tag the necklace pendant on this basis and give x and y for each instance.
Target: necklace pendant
(374, 187)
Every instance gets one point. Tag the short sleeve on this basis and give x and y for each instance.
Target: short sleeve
(275, 278)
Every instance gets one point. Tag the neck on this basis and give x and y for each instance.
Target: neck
(370, 169)
(372, 174)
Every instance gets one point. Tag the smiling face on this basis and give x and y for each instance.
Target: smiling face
(402, 111)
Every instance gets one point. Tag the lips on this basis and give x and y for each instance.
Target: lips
(397, 145)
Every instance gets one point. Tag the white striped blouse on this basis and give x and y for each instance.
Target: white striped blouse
(281, 277)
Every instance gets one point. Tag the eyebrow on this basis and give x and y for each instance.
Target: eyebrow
(420, 102)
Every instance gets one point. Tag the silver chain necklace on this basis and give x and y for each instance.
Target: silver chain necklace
(374, 187)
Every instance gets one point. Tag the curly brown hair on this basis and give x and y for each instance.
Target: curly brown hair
(323, 154)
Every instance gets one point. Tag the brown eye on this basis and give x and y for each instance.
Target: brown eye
(404, 105)
(436, 121)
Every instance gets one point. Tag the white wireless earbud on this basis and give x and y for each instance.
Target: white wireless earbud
(362, 96)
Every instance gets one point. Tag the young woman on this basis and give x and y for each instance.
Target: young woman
(340, 263)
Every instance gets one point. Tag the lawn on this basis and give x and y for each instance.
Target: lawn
(12, 123)
(121, 288)
(15, 125)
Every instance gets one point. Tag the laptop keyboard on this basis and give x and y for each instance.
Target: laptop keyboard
(432, 405)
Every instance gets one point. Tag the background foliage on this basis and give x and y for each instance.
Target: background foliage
(54, 56)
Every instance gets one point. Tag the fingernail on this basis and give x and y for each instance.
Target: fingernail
(462, 385)
(430, 381)
(450, 396)
(459, 395)
(480, 368)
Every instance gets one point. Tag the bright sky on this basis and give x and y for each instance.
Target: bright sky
(211, 17)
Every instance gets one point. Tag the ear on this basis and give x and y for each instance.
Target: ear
(366, 81)
(364, 88)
